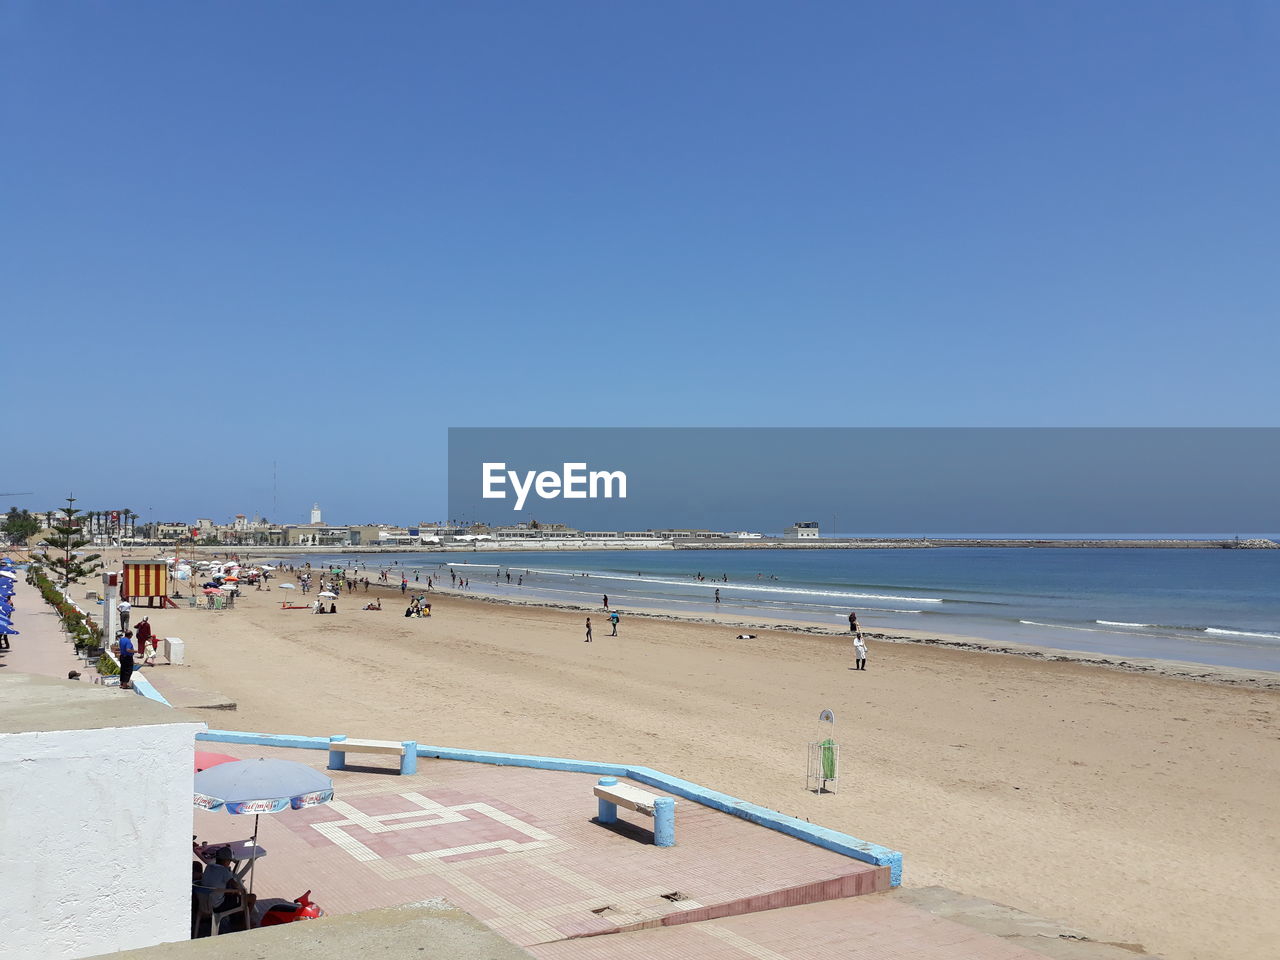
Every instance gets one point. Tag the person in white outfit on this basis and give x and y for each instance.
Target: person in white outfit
(860, 651)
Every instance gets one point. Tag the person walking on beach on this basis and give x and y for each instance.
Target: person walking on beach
(588, 639)
(860, 652)
(606, 601)
(613, 619)
(124, 607)
(853, 622)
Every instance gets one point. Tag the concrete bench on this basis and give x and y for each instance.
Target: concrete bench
(406, 750)
(612, 794)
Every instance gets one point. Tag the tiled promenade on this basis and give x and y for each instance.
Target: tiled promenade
(42, 647)
(517, 848)
(864, 928)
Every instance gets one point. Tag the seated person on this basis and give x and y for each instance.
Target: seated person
(333, 608)
(219, 876)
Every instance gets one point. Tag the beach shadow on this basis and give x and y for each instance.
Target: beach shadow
(630, 831)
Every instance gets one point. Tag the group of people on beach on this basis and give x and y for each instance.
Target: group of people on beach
(418, 607)
(132, 643)
(614, 619)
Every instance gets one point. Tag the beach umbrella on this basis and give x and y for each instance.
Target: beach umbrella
(211, 590)
(231, 579)
(265, 785)
(286, 586)
(205, 760)
(8, 573)
(327, 594)
(8, 630)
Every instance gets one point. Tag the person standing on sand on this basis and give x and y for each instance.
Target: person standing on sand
(853, 622)
(859, 652)
(613, 619)
(588, 640)
(606, 601)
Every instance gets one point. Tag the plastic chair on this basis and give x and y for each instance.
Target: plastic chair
(204, 901)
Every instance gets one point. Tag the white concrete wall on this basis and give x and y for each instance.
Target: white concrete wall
(95, 836)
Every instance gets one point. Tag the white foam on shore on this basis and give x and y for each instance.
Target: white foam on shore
(1241, 633)
(1058, 626)
(1121, 623)
(740, 587)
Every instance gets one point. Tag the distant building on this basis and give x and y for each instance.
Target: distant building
(805, 530)
(317, 535)
(169, 531)
(315, 515)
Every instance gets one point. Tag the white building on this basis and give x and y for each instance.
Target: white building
(804, 530)
(315, 514)
(122, 830)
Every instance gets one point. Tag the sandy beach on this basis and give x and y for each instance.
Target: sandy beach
(1140, 808)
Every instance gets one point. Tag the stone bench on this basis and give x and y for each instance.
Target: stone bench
(406, 750)
(612, 794)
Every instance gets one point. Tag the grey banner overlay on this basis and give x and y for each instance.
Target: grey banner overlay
(884, 480)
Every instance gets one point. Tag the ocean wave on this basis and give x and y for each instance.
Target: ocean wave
(739, 587)
(1121, 623)
(1241, 633)
(1058, 626)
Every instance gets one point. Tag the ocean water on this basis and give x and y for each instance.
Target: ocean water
(1219, 607)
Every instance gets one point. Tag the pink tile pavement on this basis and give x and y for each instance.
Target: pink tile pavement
(517, 848)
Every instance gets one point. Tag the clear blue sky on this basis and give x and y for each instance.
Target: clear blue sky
(320, 233)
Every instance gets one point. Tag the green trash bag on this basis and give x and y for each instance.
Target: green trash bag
(828, 759)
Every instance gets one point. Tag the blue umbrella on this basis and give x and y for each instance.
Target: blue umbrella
(265, 785)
